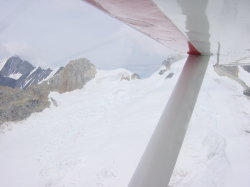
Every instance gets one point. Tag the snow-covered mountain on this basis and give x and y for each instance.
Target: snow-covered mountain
(95, 136)
(18, 73)
(18, 104)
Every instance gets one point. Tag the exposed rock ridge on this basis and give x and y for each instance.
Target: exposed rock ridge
(129, 76)
(75, 74)
(18, 73)
(232, 72)
(17, 104)
(166, 65)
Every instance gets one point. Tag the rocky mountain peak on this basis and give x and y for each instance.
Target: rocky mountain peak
(16, 65)
(75, 74)
(19, 73)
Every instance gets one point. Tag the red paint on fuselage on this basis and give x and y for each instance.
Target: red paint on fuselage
(192, 50)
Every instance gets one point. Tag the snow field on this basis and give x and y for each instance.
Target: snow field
(96, 135)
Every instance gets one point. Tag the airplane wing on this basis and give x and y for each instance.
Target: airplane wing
(200, 28)
(190, 26)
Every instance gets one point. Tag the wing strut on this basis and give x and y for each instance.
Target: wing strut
(157, 163)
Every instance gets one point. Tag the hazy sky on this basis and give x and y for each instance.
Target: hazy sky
(49, 33)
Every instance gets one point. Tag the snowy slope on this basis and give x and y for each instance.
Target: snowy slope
(2, 63)
(96, 135)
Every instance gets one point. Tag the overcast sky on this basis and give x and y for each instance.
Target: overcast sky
(49, 33)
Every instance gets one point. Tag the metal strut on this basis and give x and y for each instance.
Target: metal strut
(157, 163)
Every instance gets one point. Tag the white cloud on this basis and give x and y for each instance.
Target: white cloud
(3, 51)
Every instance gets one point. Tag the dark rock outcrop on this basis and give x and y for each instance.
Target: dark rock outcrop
(75, 74)
(246, 92)
(169, 76)
(135, 76)
(162, 71)
(16, 65)
(246, 68)
(129, 77)
(25, 73)
(230, 72)
(17, 104)
(166, 64)
(35, 77)
(6, 81)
